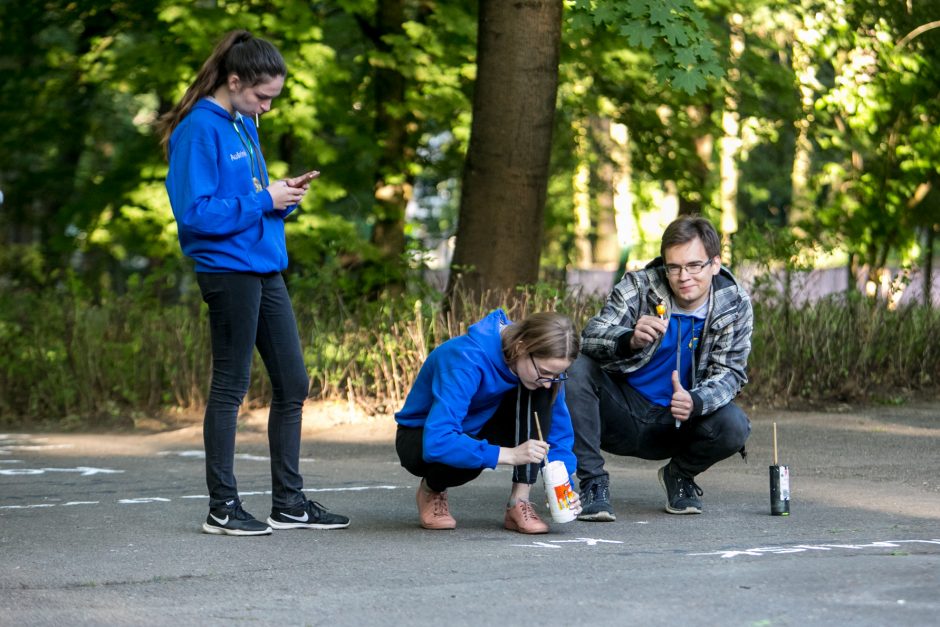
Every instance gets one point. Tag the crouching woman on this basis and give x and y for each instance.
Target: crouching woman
(481, 399)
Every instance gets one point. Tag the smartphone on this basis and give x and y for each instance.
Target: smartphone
(303, 179)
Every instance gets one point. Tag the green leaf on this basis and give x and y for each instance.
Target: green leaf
(638, 34)
(661, 13)
(676, 34)
(685, 56)
(638, 8)
(606, 14)
(689, 81)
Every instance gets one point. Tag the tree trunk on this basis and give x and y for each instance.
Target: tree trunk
(731, 141)
(583, 249)
(607, 250)
(506, 171)
(928, 265)
(628, 228)
(392, 186)
(800, 203)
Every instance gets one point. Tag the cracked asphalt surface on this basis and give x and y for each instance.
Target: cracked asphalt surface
(105, 530)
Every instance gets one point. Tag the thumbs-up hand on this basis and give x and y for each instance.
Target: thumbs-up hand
(681, 404)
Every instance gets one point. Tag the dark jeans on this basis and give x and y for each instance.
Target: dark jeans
(248, 310)
(505, 428)
(608, 414)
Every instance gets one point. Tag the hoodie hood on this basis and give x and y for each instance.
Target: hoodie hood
(486, 335)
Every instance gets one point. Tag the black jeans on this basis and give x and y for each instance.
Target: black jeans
(608, 414)
(248, 310)
(505, 428)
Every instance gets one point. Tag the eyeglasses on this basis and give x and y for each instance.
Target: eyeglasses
(540, 378)
(693, 267)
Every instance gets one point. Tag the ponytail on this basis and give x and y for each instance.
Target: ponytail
(252, 59)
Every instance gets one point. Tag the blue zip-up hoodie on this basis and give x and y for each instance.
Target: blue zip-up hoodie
(459, 388)
(224, 224)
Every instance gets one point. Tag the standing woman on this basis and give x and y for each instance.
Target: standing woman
(474, 405)
(230, 218)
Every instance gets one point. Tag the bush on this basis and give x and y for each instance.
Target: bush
(67, 358)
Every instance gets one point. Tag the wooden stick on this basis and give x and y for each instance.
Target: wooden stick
(538, 427)
(775, 444)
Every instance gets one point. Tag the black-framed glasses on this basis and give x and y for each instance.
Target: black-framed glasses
(693, 267)
(540, 378)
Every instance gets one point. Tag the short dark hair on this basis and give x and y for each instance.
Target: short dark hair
(686, 228)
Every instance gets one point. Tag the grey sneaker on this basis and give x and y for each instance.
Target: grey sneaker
(595, 501)
(682, 493)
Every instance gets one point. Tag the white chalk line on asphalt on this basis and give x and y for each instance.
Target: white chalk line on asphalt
(803, 548)
(159, 499)
(84, 471)
(201, 454)
(555, 544)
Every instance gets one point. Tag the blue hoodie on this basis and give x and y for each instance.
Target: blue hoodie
(224, 224)
(459, 388)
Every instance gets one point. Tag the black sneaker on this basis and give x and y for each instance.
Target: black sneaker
(595, 502)
(232, 520)
(682, 493)
(310, 515)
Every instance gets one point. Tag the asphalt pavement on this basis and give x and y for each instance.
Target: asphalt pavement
(104, 529)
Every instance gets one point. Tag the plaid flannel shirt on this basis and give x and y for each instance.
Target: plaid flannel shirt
(720, 368)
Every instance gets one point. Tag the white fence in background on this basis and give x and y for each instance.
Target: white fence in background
(900, 288)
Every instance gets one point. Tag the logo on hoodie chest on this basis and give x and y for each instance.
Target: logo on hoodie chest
(235, 156)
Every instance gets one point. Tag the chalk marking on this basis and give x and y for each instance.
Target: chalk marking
(802, 548)
(553, 544)
(6, 448)
(157, 499)
(143, 499)
(85, 471)
(201, 454)
(268, 492)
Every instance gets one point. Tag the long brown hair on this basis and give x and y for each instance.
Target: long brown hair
(254, 60)
(545, 335)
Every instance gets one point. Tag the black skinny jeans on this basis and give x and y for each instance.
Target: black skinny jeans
(248, 310)
(608, 414)
(505, 428)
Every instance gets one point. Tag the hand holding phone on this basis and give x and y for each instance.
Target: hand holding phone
(304, 179)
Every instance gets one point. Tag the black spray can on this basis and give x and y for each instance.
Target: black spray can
(780, 490)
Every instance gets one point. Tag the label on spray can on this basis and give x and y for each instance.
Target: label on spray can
(785, 483)
(558, 491)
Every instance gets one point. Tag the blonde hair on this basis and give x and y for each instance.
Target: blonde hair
(545, 335)
(254, 60)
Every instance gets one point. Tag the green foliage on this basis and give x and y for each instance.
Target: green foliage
(98, 304)
(843, 350)
(877, 115)
(675, 32)
(66, 359)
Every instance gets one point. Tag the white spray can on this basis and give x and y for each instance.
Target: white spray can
(558, 491)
